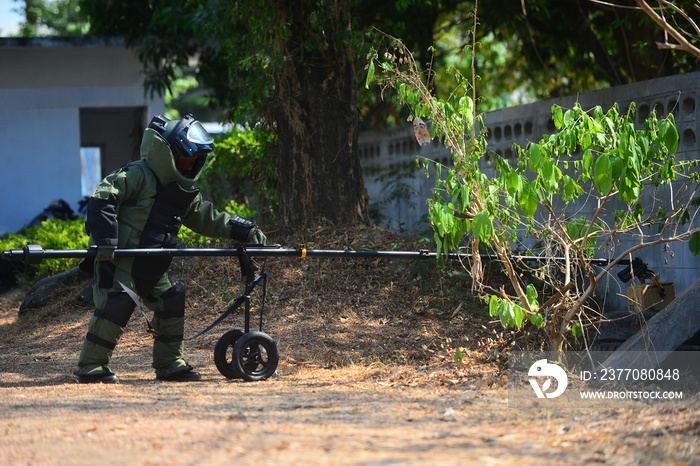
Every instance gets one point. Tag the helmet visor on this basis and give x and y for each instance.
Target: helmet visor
(198, 135)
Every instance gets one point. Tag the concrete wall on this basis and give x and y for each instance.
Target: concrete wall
(397, 185)
(383, 151)
(49, 88)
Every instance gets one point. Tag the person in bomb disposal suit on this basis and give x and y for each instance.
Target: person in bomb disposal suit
(143, 205)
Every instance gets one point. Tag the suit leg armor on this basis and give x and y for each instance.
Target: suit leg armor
(169, 345)
(104, 331)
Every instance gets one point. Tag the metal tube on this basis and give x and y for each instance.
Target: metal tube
(35, 254)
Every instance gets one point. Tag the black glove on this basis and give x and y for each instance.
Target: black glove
(245, 230)
(105, 253)
(256, 236)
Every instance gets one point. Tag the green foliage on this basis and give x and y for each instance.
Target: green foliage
(53, 18)
(593, 154)
(459, 357)
(51, 234)
(176, 97)
(543, 53)
(537, 320)
(695, 243)
(482, 227)
(542, 49)
(511, 314)
(244, 171)
(618, 159)
(577, 329)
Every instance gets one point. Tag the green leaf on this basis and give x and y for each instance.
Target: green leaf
(531, 294)
(577, 329)
(617, 167)
(593, 127)
(493, 305)
(630, 189)
(518, 315)
(513, 183)
(571, 189)
(438, 219)
(598, 113)
(458, 231)
(465, 197)
(412, 98)
(558, 117)
(635, 152)
(534, 153)
(537, 320)
(569, 118)
(694, 243)
(570, 140)
(482, 226)
(549, 175)
(576, 228)
(370, 74)
(638, 212)
(668, 134)
(587, 164)
(527, 198)
(586, 141)
(602, 175)
(448, 219)
(506, 313)
(513, 236)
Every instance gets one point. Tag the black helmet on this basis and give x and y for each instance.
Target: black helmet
(186, 137)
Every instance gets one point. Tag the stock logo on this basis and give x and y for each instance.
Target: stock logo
(546, 371)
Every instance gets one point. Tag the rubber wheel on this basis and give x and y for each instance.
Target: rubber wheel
(255, 356)
(223, 354)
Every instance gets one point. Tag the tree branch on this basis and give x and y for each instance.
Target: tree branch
(687, 46)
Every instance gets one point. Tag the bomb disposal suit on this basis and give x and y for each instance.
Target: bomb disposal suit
(143, 205)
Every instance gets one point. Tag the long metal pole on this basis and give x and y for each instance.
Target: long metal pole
(35, 254)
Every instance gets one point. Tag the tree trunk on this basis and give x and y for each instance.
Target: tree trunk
(317, 119)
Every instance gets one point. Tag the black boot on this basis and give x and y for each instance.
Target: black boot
(188, 376)
(99, 378)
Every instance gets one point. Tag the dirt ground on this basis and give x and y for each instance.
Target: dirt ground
(367, 375)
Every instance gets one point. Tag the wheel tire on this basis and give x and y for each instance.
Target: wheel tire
(223, 354)
(255, 356)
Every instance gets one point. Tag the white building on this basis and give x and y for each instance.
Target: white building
(58, 96)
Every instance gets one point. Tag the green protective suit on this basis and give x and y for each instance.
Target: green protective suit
(143, 204)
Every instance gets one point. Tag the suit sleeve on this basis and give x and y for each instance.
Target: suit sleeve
(207, 220)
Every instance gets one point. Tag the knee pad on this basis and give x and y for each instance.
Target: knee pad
(173, 302)
(117, 309)
(170, 322)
